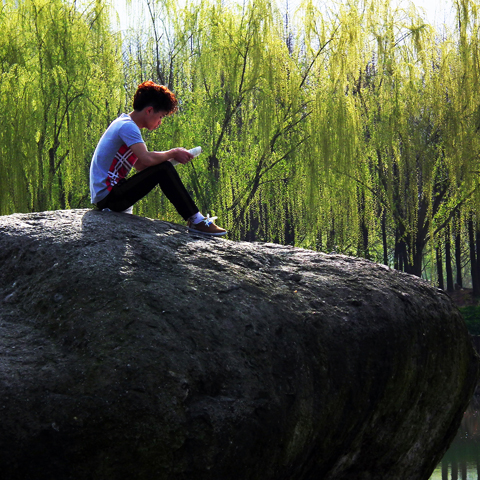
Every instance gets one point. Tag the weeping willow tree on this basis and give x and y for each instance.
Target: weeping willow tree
(396, 125)
(60, 84)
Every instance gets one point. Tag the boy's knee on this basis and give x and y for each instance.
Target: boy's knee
(162, 167)
(168, 165)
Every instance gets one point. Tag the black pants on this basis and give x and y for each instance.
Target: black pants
(127, 192)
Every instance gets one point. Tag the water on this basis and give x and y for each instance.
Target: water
(462, 460)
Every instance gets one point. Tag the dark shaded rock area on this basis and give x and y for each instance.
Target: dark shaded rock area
(130, 349)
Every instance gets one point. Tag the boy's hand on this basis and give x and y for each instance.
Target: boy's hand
(181, 155)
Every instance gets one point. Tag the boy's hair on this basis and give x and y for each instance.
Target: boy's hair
(149, 94)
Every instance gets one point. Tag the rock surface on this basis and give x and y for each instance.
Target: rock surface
(132, 350)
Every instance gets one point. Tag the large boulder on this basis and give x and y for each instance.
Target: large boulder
(130, 349)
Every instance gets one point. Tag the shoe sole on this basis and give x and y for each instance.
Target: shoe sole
(206, 233)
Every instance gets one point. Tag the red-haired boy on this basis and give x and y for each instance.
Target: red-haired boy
(122, 147)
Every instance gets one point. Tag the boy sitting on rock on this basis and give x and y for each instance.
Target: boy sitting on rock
(122, 147)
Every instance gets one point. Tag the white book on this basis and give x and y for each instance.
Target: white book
(194, 151)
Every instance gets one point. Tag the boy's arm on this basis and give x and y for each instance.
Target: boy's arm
(148, 159)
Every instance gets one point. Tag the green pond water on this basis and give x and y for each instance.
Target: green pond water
(462, 460)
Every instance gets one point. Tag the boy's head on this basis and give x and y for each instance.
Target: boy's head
(149, 94)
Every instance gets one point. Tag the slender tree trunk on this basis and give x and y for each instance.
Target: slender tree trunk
(399, 253)
(473, 258)
(477, 245)
(463, 469)
(396, 263)
(384, 238)
(403, 264)
(454, 469)
(250, 234)
(458, 255)
(448, 260)
(416, 268)
(438, 255)
(366, 248)
(331, 237)
(444, 470)
(319, 243)
(362, 248)
(289, 228)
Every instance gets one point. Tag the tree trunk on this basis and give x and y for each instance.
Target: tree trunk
(416, 268)
(319, 243)
(400, 254)
(413, 262)
(444, 470)
(454, 470)
(331, 237)
(477, 245)
(250, 233)
(458, 255)
(448, 260)
(473, 258)
(362, 247)
(362, 250)
(463, 469)
(438, 255)
(384, 238)
(289, 231)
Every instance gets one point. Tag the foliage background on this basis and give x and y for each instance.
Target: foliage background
(352, 128)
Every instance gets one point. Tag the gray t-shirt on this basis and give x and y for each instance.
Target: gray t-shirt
(113, 158)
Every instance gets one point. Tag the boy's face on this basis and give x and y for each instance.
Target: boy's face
(153, 119)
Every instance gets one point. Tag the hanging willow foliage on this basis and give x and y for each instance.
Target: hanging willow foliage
(366, 114)
(60, 85)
